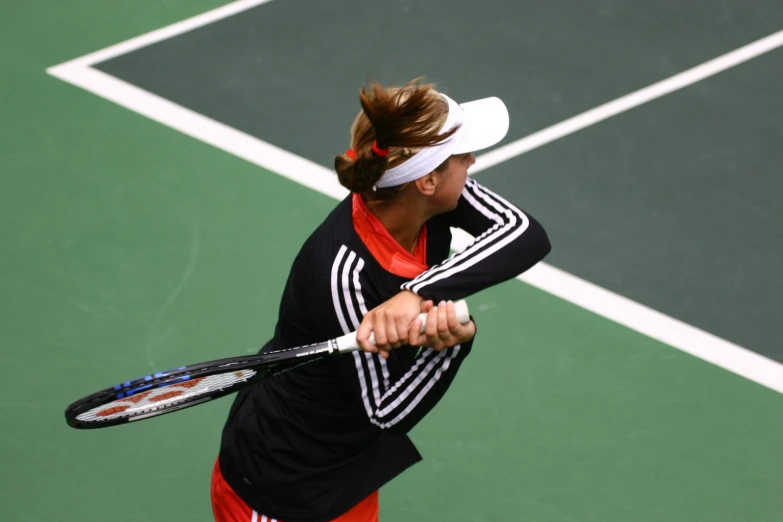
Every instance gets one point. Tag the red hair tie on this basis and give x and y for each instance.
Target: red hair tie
(351, 154)
(379, 151)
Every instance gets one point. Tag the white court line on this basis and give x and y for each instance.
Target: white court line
(629, 101)
(612, 306)
(164, 33)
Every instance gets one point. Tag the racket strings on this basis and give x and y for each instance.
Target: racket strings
(165, 396)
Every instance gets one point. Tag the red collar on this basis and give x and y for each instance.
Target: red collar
(383, 247)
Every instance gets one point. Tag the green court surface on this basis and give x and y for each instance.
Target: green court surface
(130, 247)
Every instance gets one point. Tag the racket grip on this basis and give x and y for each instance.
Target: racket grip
(463, 316)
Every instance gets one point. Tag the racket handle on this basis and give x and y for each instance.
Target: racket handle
(347, 342)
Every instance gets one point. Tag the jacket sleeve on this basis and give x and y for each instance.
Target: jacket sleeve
(508, 241)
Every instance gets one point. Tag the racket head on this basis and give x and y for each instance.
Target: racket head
(172, 390)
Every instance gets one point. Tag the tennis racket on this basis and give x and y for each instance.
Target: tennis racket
(186, 386)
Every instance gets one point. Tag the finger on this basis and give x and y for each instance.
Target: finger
(403, 328)
(426, 306)
(379, 329)
(433, 336)
(392, 331)
(363, 335)
(421, 340)
(414, 333)
(443, 320)
(431, 329)
(417, 337)
(452, 317)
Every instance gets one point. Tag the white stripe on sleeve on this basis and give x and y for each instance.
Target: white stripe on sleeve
(510, 224)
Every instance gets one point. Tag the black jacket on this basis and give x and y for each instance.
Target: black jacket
(311, 443)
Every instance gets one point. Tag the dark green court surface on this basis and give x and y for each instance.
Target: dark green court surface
(675, 204)
(672, 204)
(129, 247)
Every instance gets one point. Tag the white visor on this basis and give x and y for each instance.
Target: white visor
(482, 123)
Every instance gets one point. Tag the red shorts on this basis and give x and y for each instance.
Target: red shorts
(228, 507)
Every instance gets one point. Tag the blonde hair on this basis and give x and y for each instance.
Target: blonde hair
(401, 119)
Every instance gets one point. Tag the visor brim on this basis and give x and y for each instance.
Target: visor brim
(486, 123)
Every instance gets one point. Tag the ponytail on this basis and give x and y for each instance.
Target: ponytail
(396, 122)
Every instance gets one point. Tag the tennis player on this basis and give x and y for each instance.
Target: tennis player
(316, 443)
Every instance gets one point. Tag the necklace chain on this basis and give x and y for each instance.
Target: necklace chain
(415, 243)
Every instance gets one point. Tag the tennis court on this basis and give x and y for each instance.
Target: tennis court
(159, 173)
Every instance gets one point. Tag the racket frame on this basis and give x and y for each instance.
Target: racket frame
(265, 364)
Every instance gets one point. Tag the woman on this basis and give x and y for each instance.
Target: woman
(316, 443)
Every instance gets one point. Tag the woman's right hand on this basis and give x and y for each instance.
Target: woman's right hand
(443, 329)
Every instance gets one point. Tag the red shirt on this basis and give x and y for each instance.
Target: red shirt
(383, 247)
